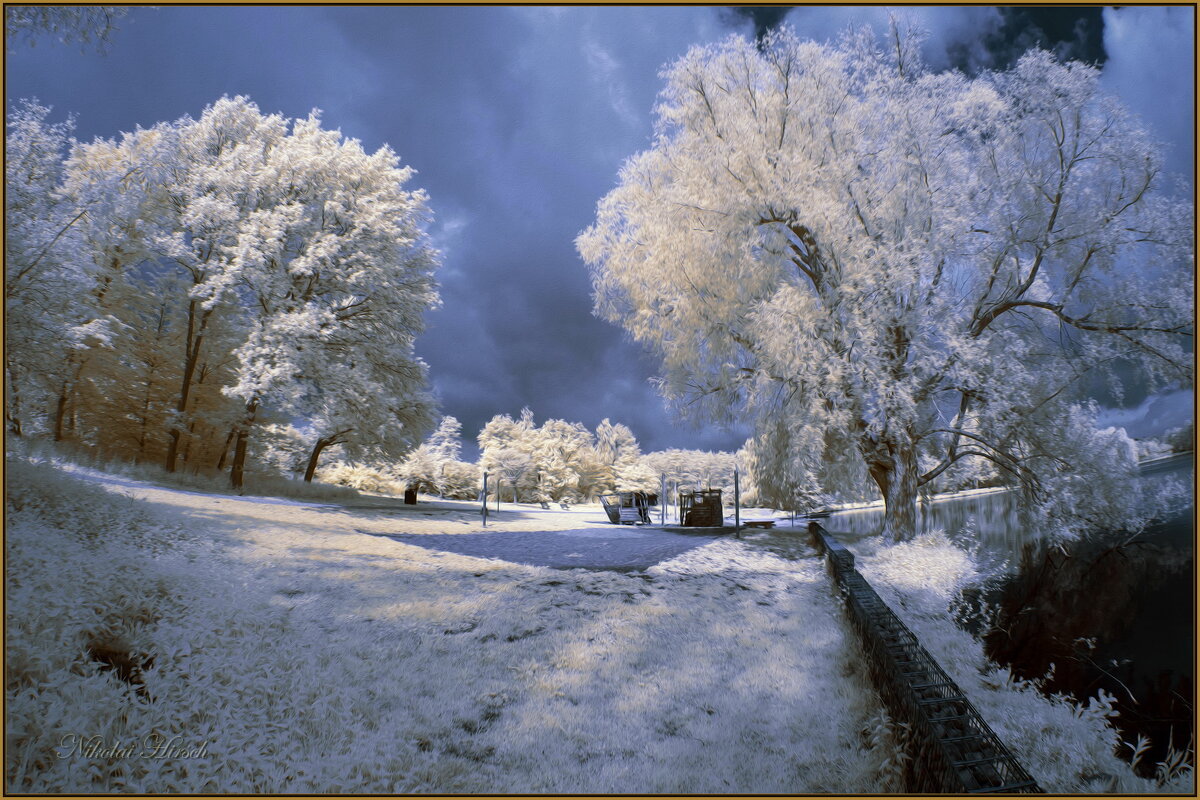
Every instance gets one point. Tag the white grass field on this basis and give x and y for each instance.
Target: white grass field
(287, 646)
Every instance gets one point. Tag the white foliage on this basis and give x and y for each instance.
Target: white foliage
(305, 270)
(50, 307)
(434, 466)
(446, 440)
(693, 469)
(883, 265)
(363, 477)
(552, 461)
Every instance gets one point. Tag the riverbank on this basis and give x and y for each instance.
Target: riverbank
(1144, 465)
(937, 498)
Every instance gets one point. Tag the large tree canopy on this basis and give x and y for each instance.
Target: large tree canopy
(896, 273)
(192, 282)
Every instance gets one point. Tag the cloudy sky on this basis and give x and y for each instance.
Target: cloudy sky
(517, 121)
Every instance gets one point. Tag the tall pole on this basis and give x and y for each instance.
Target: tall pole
(737, 506)
(497, 495)
(662, 499)
(483, 508)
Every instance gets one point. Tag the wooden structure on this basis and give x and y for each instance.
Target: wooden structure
(701, 509)
(628, 508)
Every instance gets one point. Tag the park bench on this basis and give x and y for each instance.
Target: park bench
(758, 523)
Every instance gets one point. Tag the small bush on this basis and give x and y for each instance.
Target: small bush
(361, 478)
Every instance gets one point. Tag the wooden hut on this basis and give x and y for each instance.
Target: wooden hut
(701, 509)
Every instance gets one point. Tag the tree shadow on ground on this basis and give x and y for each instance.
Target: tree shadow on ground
(584, 548)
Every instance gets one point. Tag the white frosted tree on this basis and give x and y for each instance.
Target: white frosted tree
(546, 461)
(333, 263)
(54, 310)
(891, 270)
(558, 457)
(693, 469)
(637, 476)
(372, 420)
(305, 269)
(419, 469)
(446, 440)
(460, 480)
(508, 464)
(181, 192)
(617, 452)
(506, 448)
(84, 24)
(433, 465)
(36, 271)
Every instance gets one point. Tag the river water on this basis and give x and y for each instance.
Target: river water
(1110, 612)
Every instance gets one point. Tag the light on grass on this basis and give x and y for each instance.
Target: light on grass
(311, 657)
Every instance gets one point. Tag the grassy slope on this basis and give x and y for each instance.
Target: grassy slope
(309, 657)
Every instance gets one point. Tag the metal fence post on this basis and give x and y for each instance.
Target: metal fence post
(662, 499)
(737, 506)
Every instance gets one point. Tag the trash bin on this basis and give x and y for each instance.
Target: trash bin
(410, 497)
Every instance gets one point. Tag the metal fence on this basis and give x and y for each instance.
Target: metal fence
(951, 748)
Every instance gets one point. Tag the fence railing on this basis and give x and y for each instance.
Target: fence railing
(951, 749)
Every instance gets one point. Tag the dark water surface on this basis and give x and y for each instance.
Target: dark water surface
(1112, 612)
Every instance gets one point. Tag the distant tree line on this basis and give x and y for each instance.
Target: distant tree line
(557, 461)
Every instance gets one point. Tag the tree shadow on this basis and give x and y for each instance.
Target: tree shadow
(584, 548)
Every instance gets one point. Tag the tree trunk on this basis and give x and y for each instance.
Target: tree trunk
(144, 426)
(311, 469)
(236, 471)
(191, 358)
(185, 456)
(172, 449)
(12, 405)
(60, 412)
(893, 467)
(225, 449)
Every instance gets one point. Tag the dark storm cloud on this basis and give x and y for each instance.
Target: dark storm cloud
(1152, 66)
(517, 121)
(535, 109)
(762, 18)
(1072, 33)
